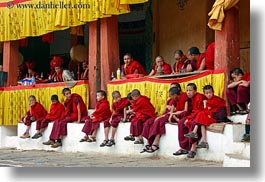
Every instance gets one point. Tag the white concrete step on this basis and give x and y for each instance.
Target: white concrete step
(5, 133)
(235, 160)
(168, 144)
(11, 142)
(240, 148)
(241, 119)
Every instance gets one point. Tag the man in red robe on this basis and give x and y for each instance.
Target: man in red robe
(56, 111)
(198, 58)
(101, 113)
(118, 113)
(181, 64)
(161, 67)
(194, 105)
(142, 110)
(131, 66)
(36, 112)
(56, 64)
(75, 111)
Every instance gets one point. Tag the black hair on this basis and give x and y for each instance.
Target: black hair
(32, 96)
(54, 97)
(194, 50)
(136, 92)
(115, 92)
(208, 87)
(237, 71)
(128, 54)
(129, 96)
(193, 85)
(102, 93)
(176, 85)
(179, 52)
(174, 90)
(66, 90)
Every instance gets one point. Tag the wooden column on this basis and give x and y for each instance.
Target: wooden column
(10, 62)
(94, 56)
(227, 44)
(109, 49)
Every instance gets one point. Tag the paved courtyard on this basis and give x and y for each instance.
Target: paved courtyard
(18, 158)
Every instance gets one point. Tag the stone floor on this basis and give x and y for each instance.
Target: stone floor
(10, 157)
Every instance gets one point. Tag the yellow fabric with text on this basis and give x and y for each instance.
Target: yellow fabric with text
(35, 18)
(14, 103)
(158, 92)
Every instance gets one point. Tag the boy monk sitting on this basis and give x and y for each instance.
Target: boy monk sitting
(118, 113)
(56, 111)
(142, 109)
(101, 113)
(36, 112)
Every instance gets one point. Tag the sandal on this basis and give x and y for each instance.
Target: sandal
(104, 143)
(130, 137)
(110, 143)
(91, 139)
(203, 145)
(139, 142)
(191, 154)
(180, 152)
(191, 135)
(84, 139)
(151, 149)
(242, 112)
(146, 147)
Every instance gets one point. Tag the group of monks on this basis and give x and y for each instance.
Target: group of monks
(194, 61)
(190, 110)
(57, 74)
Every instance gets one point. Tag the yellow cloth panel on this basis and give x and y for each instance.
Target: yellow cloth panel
(39, 21)
(158, 91)
(14, 104)
(217, 13)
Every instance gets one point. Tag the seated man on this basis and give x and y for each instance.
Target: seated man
(196, 58)
(160, 67)
(84, 74)
(59, 74)
(131, 66)
(181, 63)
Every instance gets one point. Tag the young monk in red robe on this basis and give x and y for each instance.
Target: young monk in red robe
(131, 66)
(160, 67)
(56, 111)
(238, 91)
(214, 111)
(36, 112)
(118, 113)
(194, 104)
(101, 114)
(142, 110)
(194, 55)
(75, 112)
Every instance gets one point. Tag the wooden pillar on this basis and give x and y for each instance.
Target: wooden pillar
(93, 55)
(109, 49)
(10, 62)
(227, 44)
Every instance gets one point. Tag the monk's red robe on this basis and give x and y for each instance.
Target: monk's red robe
(181, 102)
(165, 67)
(56, 111)
(130, 69)
(56, 77)
(37, 111)
(102, 111)
(180, 64)
(118, 113)
(209, 56)
(199, 61)
(71, 107)
(205, 117)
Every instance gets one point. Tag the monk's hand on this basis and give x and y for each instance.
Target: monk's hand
(110, 121)
(92, 117)
(186, 122)
(170, 118)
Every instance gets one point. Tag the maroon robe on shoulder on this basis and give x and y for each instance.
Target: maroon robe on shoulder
(37, 111)
(130, 69)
